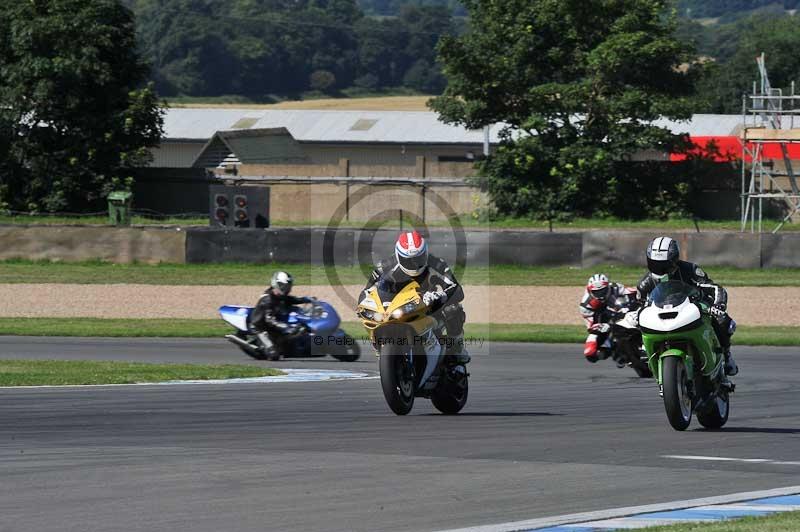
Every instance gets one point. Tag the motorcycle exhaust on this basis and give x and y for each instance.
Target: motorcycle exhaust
(241, 343)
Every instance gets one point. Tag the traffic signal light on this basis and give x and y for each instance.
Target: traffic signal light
(239, 206)
(240, 215)
(221, 212)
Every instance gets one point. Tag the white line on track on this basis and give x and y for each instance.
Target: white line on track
(291, 375)
(628, 511)
(726, 459)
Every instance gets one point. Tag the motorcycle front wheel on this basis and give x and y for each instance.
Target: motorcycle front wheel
(677, 401)
(397, 378)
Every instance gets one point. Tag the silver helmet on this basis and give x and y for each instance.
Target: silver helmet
(282, 283)
(662, 256)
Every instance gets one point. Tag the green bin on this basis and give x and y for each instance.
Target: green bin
(119, 207)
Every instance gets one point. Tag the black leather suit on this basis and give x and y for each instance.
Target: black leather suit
(271, 312)
(693, 275)
(438, 275)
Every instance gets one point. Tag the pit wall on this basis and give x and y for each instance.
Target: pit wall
(347, 247)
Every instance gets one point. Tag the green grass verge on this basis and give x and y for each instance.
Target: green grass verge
(168, 328)
(66, 372)
(23, 271)
(780, 522)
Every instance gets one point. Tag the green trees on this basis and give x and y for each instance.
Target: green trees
(578, 89)
(259, 48)
(74, 114)
(716, 8)
(733, 69)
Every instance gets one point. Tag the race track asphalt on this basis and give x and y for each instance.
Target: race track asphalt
(544, 434)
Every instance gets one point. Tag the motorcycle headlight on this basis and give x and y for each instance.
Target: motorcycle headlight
(408, 308)
(371, 315)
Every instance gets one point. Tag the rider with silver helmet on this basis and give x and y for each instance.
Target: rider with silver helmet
(440, 288)
(268, 319)
(664, 264)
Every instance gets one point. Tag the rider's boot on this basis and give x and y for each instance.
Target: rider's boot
(731, 368)
(268, 349)
(590, 348)
(458, 353)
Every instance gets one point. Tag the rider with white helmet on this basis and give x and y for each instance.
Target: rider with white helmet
(268, 319)
(440, 288)
(664, 264)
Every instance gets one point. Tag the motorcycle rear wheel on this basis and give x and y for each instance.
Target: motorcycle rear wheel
(715, 415)
(451, 395)
(677, 401)
(252, 351)
(397, 378)
(349, 352)
(642, 369)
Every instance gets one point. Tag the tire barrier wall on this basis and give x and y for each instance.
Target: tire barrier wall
(83, 243)
(349, 247)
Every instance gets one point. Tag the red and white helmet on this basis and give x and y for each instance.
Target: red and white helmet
(599, 286)
(411, 251)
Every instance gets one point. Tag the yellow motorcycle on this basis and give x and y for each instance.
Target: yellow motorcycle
(411, 345)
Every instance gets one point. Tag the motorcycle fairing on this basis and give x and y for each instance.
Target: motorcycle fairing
(236, 315)
(671, 319)
(325, 319)
(423, 327)
(433, 350)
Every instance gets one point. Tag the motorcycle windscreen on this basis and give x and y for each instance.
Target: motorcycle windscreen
(672, 294)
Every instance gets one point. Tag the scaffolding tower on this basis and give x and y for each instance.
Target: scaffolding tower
(770, 120)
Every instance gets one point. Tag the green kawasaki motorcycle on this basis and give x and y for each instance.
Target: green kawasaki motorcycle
(685, 356)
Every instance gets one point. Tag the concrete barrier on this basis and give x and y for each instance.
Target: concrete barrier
(615, 247)
(204, 245)
(82, 243)
(723, 249)
(348, 247)
(780, 251)
(261, 246)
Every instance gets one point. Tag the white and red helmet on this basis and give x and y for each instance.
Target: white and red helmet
(599, 286)
(411, 251)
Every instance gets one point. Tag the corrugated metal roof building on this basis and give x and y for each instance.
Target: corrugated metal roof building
(315, 137)
(379, 137)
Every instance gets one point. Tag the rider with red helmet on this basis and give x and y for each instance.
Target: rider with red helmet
(601, 301)
(412, 262)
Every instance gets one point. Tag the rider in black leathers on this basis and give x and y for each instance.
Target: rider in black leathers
(268, 319)
(663, 264)
(440, 288)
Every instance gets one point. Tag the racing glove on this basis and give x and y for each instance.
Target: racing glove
(718, 311)
(600, 327)
(429, 298)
